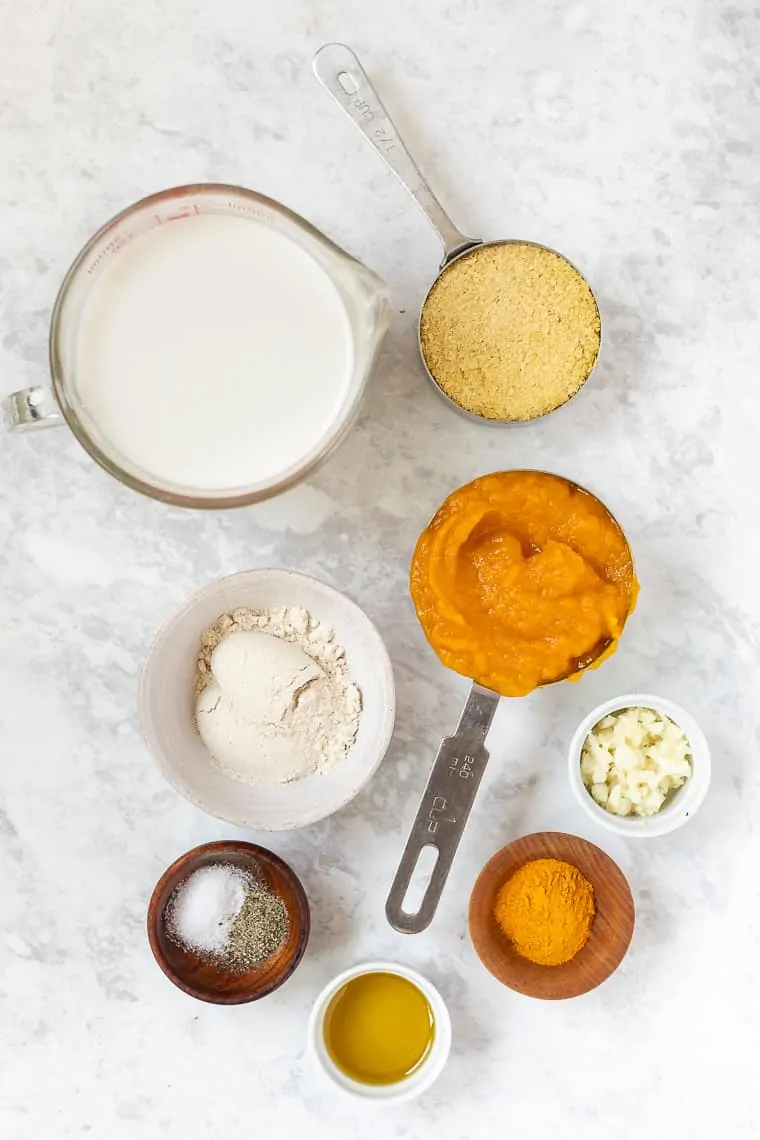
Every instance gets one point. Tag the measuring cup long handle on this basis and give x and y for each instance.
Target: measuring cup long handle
(443, 810)
(339, 71)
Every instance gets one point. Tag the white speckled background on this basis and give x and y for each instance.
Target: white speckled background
(627, 137)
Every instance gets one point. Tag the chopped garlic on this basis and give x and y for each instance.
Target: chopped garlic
(633, 760)
(600, 792)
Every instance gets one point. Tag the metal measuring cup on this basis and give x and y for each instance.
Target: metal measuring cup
(340, 73)
(453, 785)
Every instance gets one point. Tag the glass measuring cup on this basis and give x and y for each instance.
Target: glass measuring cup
(365, 298)
(340, 73)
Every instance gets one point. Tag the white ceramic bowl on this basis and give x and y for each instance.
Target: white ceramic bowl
(167, 693)
(684, 803)
(430, 1068)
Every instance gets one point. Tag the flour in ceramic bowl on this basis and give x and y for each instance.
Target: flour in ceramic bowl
(274, 698)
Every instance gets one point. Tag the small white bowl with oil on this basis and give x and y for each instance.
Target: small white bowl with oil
(381, 1032)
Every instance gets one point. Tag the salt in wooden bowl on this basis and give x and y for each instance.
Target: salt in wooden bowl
(205, 980)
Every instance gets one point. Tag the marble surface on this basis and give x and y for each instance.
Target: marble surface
(624, 135)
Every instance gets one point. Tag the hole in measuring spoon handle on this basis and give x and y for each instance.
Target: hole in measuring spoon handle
(347, 82)
(413, 896)
(419, 881)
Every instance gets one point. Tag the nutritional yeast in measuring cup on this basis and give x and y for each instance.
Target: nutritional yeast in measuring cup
(510, 331)
(379, 1028)
(214, 353)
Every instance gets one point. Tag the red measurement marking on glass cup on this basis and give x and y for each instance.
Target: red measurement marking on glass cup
(113, 246)
(186, 212)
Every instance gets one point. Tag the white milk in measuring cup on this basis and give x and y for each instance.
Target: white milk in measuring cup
(214, 352)
(214, 348)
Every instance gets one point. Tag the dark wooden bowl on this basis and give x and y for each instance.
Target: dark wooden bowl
(611, 930)
(203, 980)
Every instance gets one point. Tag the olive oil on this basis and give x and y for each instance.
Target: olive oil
(379, 1028)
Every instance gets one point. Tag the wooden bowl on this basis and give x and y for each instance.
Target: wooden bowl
(202, 979)
(611, 930)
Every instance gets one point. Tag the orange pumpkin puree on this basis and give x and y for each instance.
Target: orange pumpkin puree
(521, 579)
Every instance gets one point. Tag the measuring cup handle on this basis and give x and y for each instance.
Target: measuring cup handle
(443, 811)
(340, 73)
(29, 409)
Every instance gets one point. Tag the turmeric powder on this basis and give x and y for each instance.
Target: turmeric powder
(546, 909)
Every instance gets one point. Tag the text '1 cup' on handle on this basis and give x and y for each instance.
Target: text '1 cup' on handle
(443, 811)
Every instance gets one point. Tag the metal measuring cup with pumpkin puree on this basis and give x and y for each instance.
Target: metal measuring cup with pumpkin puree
(521, 579)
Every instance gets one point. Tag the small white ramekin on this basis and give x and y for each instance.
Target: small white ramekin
(686, 800)
(430, 1068)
